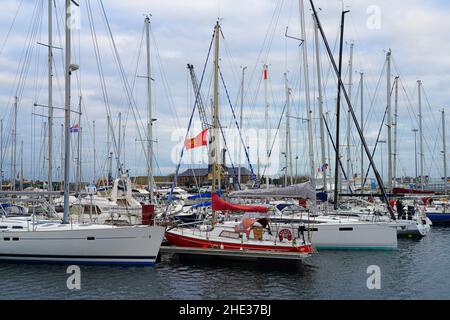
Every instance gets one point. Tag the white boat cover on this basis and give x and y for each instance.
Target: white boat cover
(305, 191)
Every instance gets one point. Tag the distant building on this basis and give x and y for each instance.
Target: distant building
(193, 177)
(159, 180)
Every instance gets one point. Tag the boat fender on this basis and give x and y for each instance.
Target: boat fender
(285, 234)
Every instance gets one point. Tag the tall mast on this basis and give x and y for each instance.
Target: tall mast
(95, 152)
(241, 122)
(108, 146)
(362, 129)
(216, 185)
(21, 166)
(1, 154)
(68, 71)
(389, 118)
(123, 150)
(320, 100)
(119, 152)
(62, 158)
(81, 159)
(355, 120)
(44, 134)
(287, 149)
(78, 172)
(150, 114)
(14, 152)
(444, 133)
(395, 134)
(349, 121)
(291, 167)
(50, 96)
(338, 119)
(308, 96)
(266, 103)
(422, 178)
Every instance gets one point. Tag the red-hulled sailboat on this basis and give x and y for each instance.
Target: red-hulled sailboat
(250, 234)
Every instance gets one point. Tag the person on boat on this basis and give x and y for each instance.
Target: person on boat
(301, 232)
(258, 231)
(411, 212)
(400, 210)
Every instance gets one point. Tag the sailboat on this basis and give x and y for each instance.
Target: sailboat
(33, 241)
(327, 232)
(117, 208)
(252, 232)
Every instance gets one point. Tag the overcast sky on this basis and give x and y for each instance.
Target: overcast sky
(254, 35)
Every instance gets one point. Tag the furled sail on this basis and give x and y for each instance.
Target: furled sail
(304, 191)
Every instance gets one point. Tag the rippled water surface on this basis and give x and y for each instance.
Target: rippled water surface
(419, 269)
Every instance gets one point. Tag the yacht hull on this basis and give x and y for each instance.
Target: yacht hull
(82, 245)
(182, 238)
(439, 218)
(350, 236)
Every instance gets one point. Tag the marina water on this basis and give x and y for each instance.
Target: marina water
(417, 270)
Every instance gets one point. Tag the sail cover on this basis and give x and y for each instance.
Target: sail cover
(218, 204)
(305, 191)
(200, 196)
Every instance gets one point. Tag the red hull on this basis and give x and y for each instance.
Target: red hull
(188, 242)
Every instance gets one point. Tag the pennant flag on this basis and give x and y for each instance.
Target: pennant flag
(266, 75)
(75, 129)
(197, 142)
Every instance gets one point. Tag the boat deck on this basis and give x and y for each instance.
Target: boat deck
(234, 254)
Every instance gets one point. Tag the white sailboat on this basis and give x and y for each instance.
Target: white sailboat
(117, 208)
(36, 242)
(327, 232)
(416, 225)
(29, 240)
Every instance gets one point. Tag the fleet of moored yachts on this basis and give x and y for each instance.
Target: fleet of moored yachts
(117, 225)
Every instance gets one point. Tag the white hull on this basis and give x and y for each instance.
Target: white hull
(417, 227)
(370, 236)
(351, 236)
(413, 228)
(78, 244)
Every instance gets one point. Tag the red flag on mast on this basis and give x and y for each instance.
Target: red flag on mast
(197, 142)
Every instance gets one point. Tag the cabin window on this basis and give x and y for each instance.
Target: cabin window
(6, 239)
(15, 239)
(345, 229)
(313, 230)
(17, 227)
(230, 235)
(91, 238)
(3, 227)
